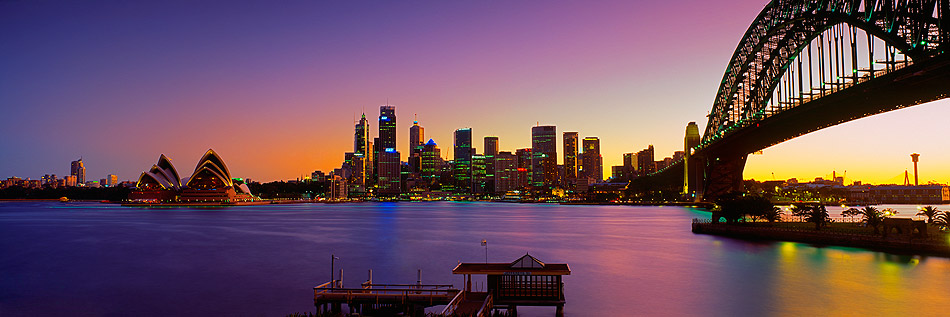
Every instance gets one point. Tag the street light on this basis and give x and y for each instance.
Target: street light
(332, 259)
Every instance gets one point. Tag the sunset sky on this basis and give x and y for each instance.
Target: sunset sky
(274, 87)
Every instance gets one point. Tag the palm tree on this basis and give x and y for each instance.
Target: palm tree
(772, 214)
(816, 214)
(942, 220)
(851, 212)
(930, 212)
(873, 217)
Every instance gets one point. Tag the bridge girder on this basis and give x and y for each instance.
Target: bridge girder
(919, 29)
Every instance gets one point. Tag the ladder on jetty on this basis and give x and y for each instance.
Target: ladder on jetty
(411, 299)
(477, 304)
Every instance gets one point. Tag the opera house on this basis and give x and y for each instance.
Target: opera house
(211, 182)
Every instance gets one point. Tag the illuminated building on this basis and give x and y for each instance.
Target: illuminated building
(431, 163)
(491, 145)
(463, 160)
(570, 156)
(479, 174)
(362, 146)
(630, 165)
(544, 156)
(692, 169)
(416, 135)
(506, 172)
(69, 181)
(210, 182)
(389, 175)
(338, 188)
(112, 180)
(524, 167)
(78, 169)
(645, 163)
(593, 161)
(491, 149)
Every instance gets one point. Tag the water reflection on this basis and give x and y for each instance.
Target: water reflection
(264, 260)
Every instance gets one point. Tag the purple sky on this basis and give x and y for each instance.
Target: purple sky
(274, 86)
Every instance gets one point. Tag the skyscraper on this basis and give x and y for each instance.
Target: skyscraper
(570, 157)
(491, 145)
(491, 149)
(544, 156)
(76, 168)
(506, 172)
(463, 160)
(593, 162)
(645, 163)
(389, 169)
(630, 165)
(431, 163)
(524, 158)
(362, 167)
(692, 173)
(416, 135)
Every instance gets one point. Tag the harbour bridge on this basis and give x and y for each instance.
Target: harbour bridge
(805, 65)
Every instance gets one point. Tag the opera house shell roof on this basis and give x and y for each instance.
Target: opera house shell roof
(162, 175)
(211, 176)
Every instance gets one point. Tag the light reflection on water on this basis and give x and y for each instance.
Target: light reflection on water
(93, 259)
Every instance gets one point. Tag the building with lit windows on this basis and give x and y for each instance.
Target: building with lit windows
(78, 169)
(645, 162)
(389, 169)
(570, 156)
(506, 172)
(544, 156)
(431, 163)
(463, 153)
(593, 161)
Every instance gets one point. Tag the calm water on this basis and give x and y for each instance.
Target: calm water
(94, 259)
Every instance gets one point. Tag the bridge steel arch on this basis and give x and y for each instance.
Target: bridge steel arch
(740, 123)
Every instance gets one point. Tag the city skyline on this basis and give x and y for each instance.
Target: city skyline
(103, 75)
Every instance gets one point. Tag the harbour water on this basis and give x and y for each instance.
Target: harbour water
(99, 259)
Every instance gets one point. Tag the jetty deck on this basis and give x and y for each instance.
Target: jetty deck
(410, 299)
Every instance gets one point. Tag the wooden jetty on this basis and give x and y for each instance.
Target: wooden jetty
(525, 282)
(381, 299)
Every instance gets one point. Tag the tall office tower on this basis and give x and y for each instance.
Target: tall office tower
(544, 156)
(375, 170)
(416, 143)
(111, 180)
(76, 168)
(463, 160)
(431, 163)
(593, 161)
(416, 136)
(524, 167)
(692, 169)
(506, 172)
(645, 163)
(491, 145)
(630, 165)
(389, 169)
(491, 149)
(479, 174)
(361, 145)
(570, 157)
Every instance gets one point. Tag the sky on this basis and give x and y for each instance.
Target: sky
(275, 87)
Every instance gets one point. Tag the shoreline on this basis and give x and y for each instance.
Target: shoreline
(896, 245)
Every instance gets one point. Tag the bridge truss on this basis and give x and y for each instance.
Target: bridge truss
(797, 51)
